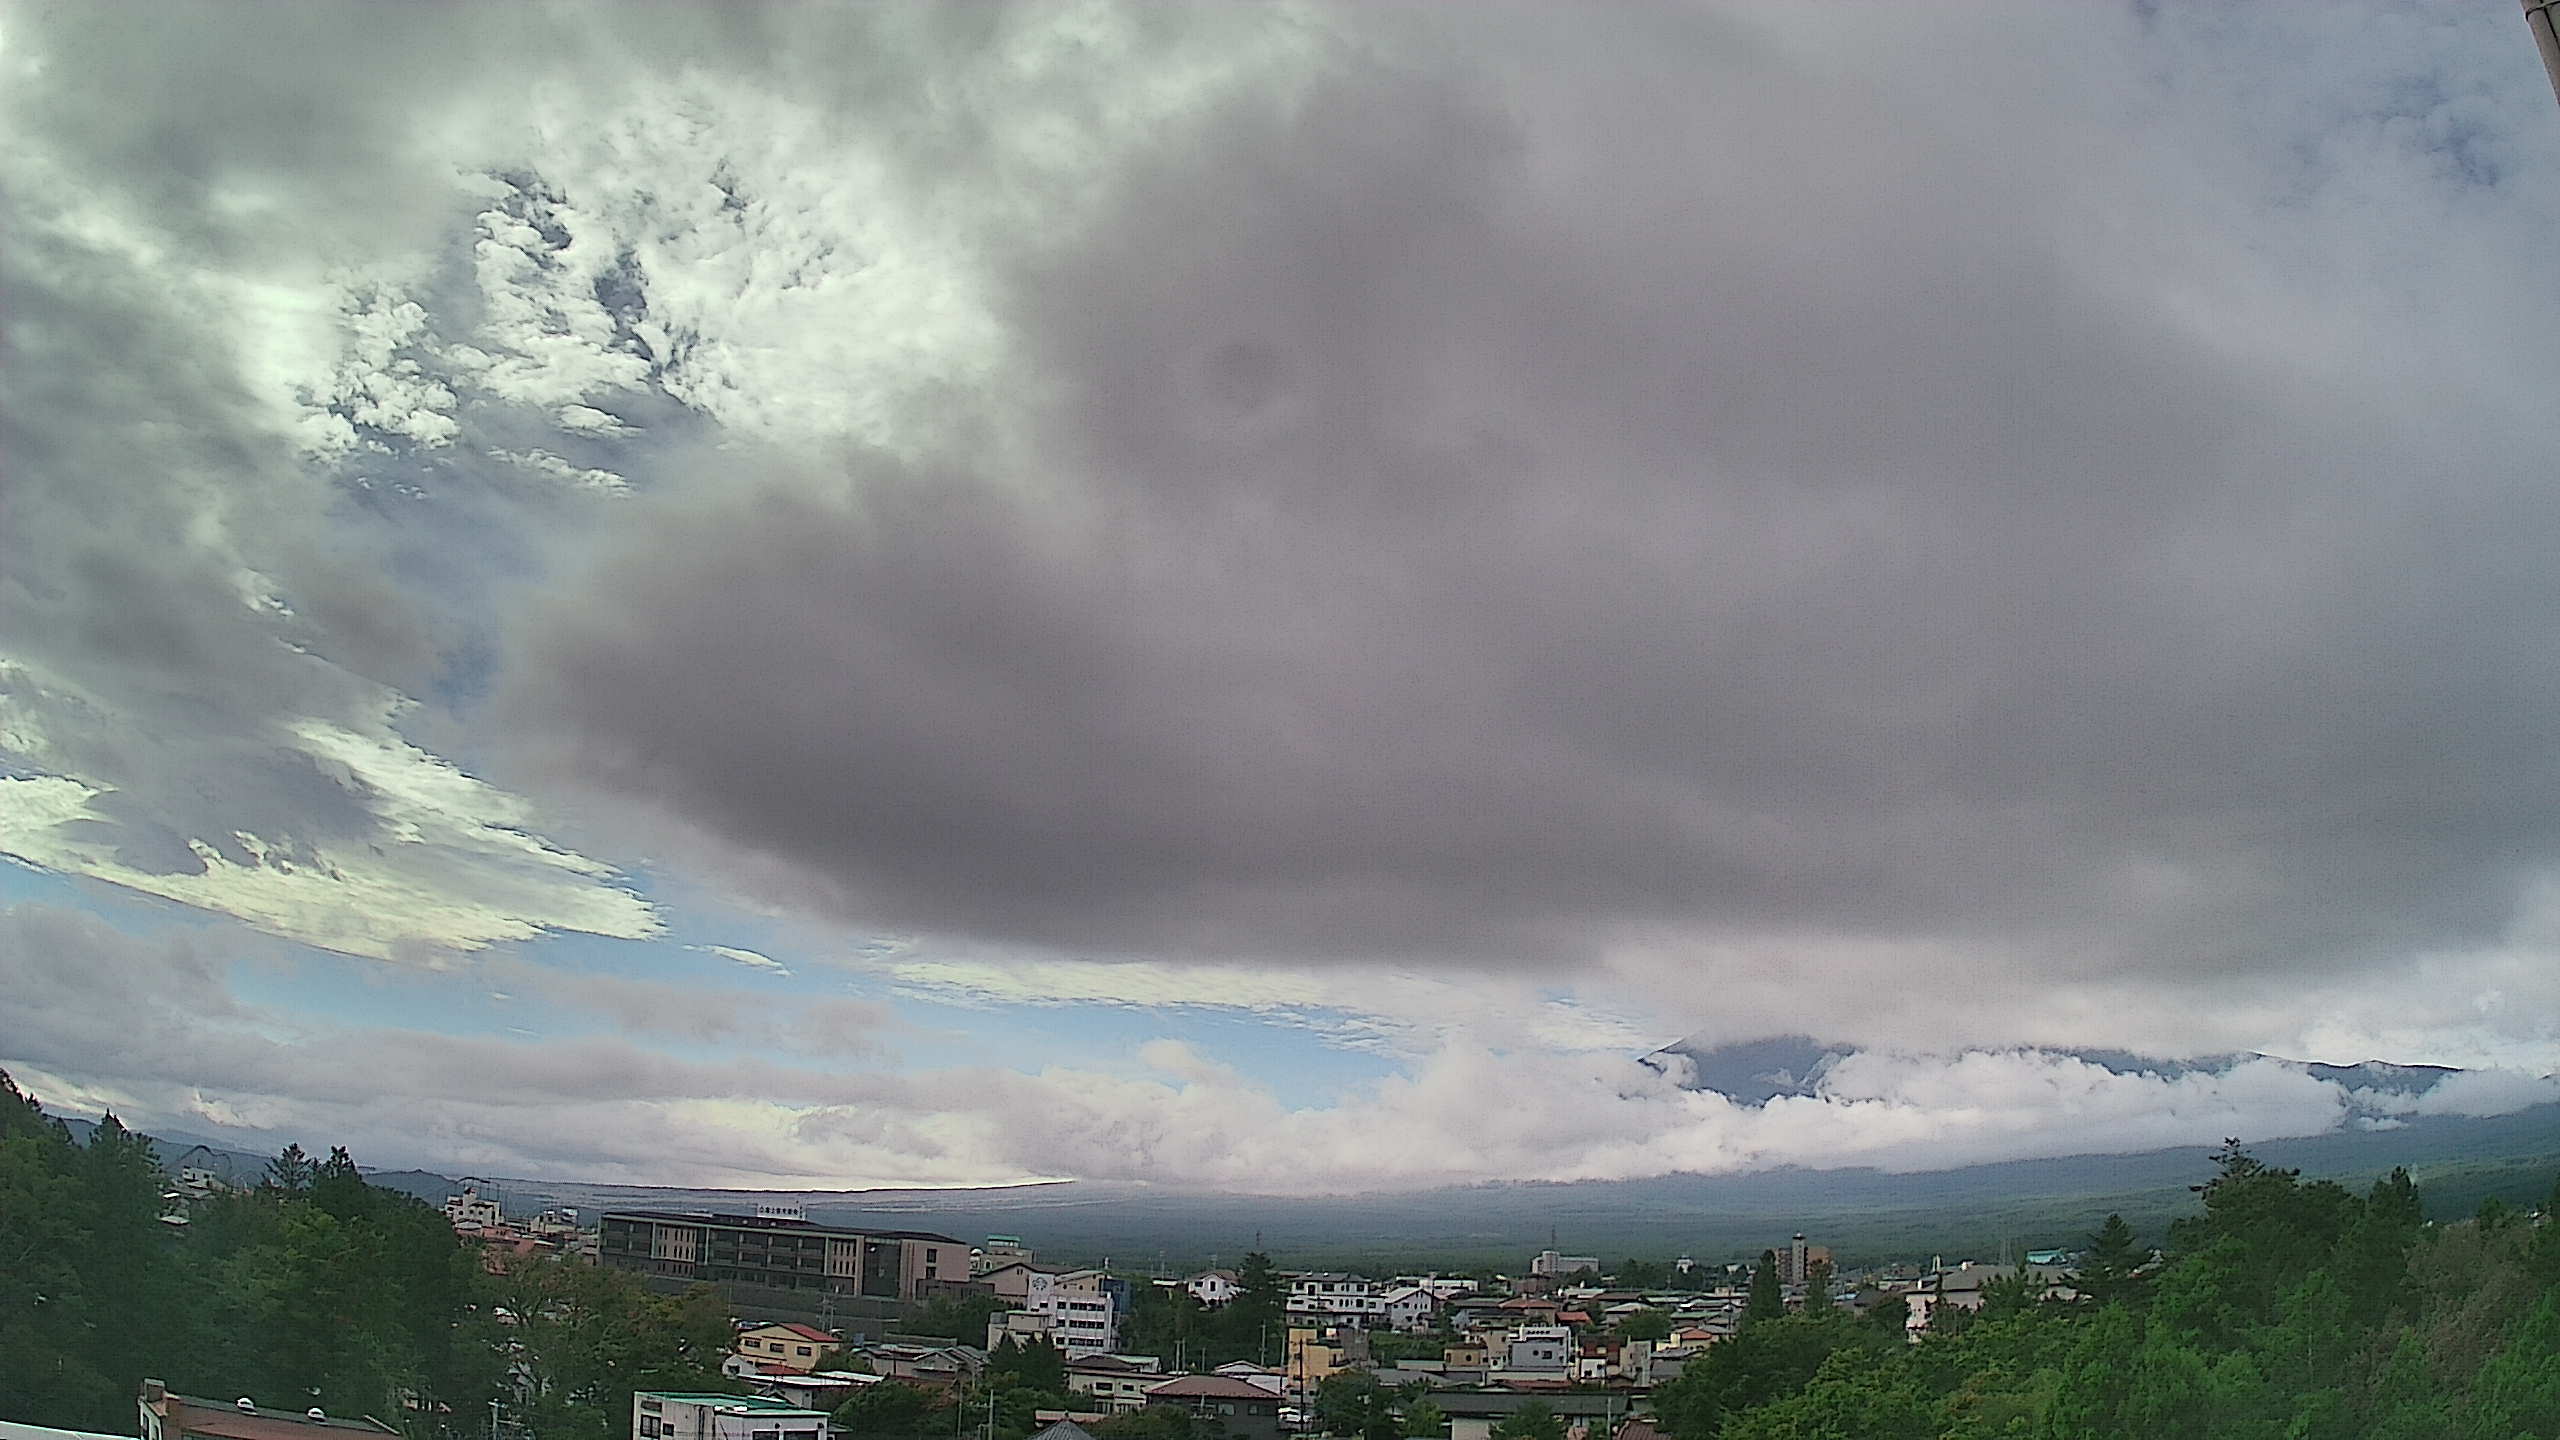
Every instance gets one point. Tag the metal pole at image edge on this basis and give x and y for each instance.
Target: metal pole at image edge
(2538, 18)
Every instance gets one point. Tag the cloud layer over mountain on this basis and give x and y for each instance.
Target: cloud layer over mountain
(1492, 538)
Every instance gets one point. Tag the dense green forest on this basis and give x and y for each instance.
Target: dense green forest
(2286, 1310)
(314, 1289)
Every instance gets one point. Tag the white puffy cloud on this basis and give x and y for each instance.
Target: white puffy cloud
(753, 960)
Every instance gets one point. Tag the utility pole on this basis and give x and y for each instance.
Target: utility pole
(2539, 19)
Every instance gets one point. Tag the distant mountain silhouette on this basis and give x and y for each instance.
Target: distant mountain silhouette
(1754, 1072)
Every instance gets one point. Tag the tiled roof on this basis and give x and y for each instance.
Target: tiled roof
(1209, 1387)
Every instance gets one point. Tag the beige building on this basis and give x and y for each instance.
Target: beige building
(793, 1348)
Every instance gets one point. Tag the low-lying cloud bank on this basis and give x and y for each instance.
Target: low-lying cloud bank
(152, 1027)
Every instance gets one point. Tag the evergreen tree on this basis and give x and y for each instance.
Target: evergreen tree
(291, 1171)
(2107, 1266)
(1817, 1286)
(1765, 1301)
(1254, 1324)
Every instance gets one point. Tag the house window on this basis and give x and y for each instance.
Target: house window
(653, 1406)
(648, 1427)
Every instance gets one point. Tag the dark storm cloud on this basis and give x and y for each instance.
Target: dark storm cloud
(1549, 484)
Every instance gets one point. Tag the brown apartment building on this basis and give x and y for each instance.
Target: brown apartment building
(783, 1253)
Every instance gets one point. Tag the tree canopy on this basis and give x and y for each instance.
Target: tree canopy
(2284, 1308)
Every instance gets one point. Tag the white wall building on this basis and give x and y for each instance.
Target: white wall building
(1409, 1308)
(1554, 1266)
(1331, 1296)
(676, 1415)
(467, 1211)
(1213, 1288)
(1539, 1348)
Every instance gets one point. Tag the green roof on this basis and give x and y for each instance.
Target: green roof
(740, 1402)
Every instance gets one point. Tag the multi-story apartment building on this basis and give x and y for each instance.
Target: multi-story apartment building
(782, 1253)
(1330, 1296)
(1076, 1310)
(1549, 1265)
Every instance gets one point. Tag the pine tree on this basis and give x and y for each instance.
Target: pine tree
(1817, 1286)
(1765, 1301)
(2106, 1273)
(291, 1171)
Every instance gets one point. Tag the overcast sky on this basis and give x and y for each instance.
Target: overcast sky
(1270, 596)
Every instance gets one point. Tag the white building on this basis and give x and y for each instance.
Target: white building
(1553, 1266)
(467, 1211)
(676, 1415)
(1443, 1287)
(1213, 1288)
(1331, 1296)
(1410, 1308)
(1072, 1311)
(1539, 1348)
(1117, 1383)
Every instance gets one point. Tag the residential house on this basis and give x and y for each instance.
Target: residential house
(1213, 1288)
(1117, 1383)
(681, 1415)
(927, 1367)
(1409, 1309)
(1063, 1430)
(1470, 1357)
(1239, 1408)
(165, 1415)
(785, 1349)
(1545, 1351)
(1252, 1374)
(823, 1390)
(1473, 1413)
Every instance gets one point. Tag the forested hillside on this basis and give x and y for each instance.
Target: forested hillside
(313, 1289)
(2286, 1310)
